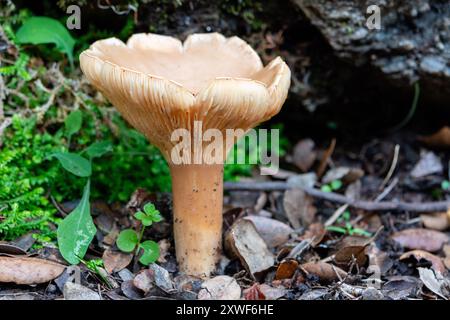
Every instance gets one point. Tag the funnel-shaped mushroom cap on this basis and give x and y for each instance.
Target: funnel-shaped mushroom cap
(160, 84)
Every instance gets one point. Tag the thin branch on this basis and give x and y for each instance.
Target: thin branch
(392, 168)
(338, 198)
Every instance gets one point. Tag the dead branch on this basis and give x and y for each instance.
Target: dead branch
(338, 198)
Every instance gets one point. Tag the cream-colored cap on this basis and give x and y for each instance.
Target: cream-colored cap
(160, 84)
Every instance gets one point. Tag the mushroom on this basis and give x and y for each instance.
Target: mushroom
(159, 85)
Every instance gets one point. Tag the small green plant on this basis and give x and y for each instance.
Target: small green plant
(76, 231)
(347, 228)
(25, 176)
(129, 240)
(42, 30)
(332, 186)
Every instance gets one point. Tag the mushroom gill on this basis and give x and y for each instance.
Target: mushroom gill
(159, 85)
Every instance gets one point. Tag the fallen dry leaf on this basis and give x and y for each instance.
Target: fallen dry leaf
(114, 261)
(286, 269)
(325, 271)
(299, 208)
(316, 232)
(26, 270)
(401, 287)
(130, 291)
(436, 262)
(220, 288)
(446, 250)
(272, 293)
(440, 139)
(346, 174)
(429, 163)
(75, 291)
(304, 155)
(380, 259)
(346, 255)
(352, 248)
(243, 241)
(436, 221)
(144, 281)
(253, 293)
(164, 246)
(433, 281)
(422, 239)
(9, 248)
(273, 232)
(161, 277)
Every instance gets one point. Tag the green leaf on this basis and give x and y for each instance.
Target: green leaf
(445, 185)
(74, 163)
(41, 30)
(155, 216)
(73, 122)
(97, 149)
(326, 188)
(362, 232)
(149, 208)
(336, 184)
(151, 252)
(147, 221)
(77, 230)
(336, 229)
(140, 215)
(127, 240)
(152, 212)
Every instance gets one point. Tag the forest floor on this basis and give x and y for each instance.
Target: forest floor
(365, 222)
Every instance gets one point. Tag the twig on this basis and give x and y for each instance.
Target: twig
(338, 198)
(336, 215)
(325, 158)
(386, 191)
(392, 168)
(299, 248)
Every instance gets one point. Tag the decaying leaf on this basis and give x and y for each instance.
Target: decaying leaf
(264, 292)
(437, 221)
(26, 270)
(316, 232)
(144, 281)
(114, 261)
(243, 241)
(286, 269)
(345, 256)
(422, 239)
(9, 248)
(220, 288)
(273, 232)
(253, 293)
(436, 262)
(304, 155)
(75, 291)
(352, 249)
(299, 208)
(160, 277)
(439, 139)
(346, 174)
(325, 271)
(272, 293)
(380, 259)
(130, 290)
(164, 246)
(446, 250)
(429, 163)
(433, 281)
(401, 287)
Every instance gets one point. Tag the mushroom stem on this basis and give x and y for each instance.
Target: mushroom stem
(197, 205)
